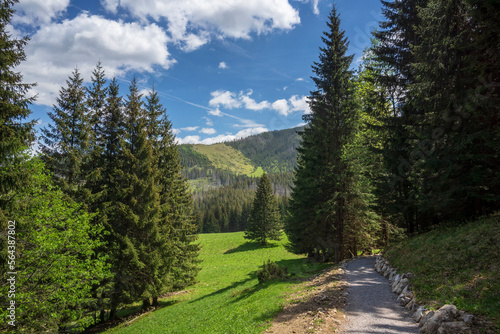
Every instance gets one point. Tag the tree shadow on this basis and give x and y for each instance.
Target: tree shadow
(249, 246)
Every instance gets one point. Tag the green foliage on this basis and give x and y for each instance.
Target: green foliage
(55, 255)
(274, 151)
(330, 203)
(455, 265)
(15, 133)
(65, 142)
(228, 297)
(264, 221)
(271, 271)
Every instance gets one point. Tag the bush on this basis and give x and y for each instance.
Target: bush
(271, 271)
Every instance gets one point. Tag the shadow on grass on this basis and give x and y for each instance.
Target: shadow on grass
(249, 246)
(127, 314)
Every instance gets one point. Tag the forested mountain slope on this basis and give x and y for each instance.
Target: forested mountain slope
(223, 177)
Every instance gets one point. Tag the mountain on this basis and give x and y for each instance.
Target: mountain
(270, 152)
(223, 176)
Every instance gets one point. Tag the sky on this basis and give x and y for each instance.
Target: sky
(224, 69)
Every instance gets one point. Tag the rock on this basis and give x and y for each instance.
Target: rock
(410, 305)
(455, 327)
(447, 313)
(419, 313)
(391, 276)
(426, 318)
(403, 283)
(466, 317)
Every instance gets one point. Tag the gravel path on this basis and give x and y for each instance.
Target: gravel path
(372, 306)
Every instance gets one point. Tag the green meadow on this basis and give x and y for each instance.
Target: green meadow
(227, 298)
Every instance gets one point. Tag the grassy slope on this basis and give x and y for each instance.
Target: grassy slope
(228, 298)
(457, 265)
(225, 157)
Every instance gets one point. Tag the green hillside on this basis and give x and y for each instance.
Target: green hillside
(457, 265)
(271, 152)
(227, 298)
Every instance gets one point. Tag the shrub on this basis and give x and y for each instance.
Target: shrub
(271, 271)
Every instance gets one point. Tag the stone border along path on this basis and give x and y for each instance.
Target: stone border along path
(372, 308)
(446, 320)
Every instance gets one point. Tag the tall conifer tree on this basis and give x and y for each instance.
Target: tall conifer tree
(321, 202)
(264, 222)
(15, 133)
(65, 143)
(176, 251)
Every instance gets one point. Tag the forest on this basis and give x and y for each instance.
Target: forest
(406, 142)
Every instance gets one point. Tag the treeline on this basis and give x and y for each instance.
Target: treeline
(102, 217)
(274, 151)
(227, 208)
(410, 140)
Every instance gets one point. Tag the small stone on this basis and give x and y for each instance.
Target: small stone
(456, 327)
(426, 318)
(419, 314)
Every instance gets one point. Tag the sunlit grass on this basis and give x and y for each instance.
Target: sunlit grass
(228, 298)
(457, 265)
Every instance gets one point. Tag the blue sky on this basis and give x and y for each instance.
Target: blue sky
(224, 69)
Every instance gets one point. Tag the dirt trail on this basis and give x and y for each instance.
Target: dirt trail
(351, 299)
(372, 306)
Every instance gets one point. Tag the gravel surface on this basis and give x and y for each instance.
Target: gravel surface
(372, 306)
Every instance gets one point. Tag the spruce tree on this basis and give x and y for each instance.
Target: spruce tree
(265, 220)
(458, 132)
(16, 134)
(395, 39)
(176, 251)
(65, 142)
(135, 218)
(323, 202)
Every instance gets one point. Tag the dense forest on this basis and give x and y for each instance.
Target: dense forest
(408, 141)
(105, 215)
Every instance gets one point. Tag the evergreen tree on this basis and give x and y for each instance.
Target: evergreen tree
(135, 218)
(65, 143)
(265, 221)
(458, 130)
(15, 134)
(177, 255)
(96, 105)
(393, 49)
(326, 199)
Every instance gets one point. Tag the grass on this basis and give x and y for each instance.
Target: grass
(227, 298)
(225, 157)
(457, 265)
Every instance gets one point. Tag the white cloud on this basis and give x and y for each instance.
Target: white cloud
(281, 106)
(190, 128)
(36, 12)
(208, 131)
(188, 19)
(252, 104)
(223, 65)
(224, 98)
(176, 131)
(57, 48)
(215, 112)
(208, 121)
(293, 104)
(222, 138)
(314, 3)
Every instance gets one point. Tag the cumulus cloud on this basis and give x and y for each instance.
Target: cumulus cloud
(293, 104)
(222, 138)
(224, 98)
(208, 121)
(223, 65)
(232, 100)
(57, 48)
(202, 19)
(36, 12)
(208, 131)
